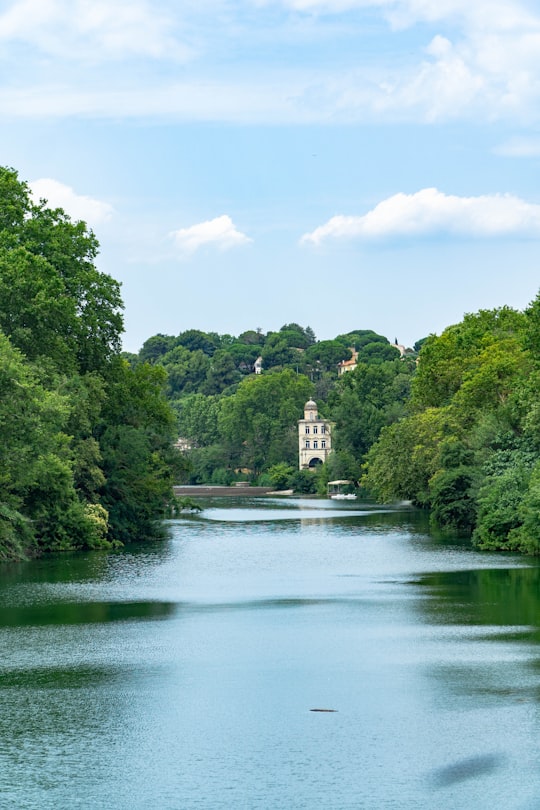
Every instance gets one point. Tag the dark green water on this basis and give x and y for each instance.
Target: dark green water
(183, 675)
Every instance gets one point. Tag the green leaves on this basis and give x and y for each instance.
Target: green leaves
(71, 412)
(54, 304)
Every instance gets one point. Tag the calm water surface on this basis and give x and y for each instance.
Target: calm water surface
(183, 675)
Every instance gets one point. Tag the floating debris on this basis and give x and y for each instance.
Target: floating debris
(323, 710)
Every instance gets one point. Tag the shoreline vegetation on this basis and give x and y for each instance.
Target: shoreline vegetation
(451, 426)
(94, 439)
(87, 456)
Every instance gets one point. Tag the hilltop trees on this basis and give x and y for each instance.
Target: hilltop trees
(237, 423)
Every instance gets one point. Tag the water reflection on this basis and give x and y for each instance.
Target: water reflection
(67, 613)
(501, 597)
(186, 674)
(469, 768)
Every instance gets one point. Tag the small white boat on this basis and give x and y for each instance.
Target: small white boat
(335, 490)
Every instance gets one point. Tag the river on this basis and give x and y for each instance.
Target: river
(185, 674)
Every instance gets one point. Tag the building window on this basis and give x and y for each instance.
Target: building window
(307, 428)
(314, 428)
(311, 415)
(307, 444)
(315, 445)
(323, 443)
(323, 428)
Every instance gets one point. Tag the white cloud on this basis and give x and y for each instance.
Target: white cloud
(429, 212)
(519, 147)
(483, 60)
(467, 59)
(77, 206)
(90, 29)
(220, 232)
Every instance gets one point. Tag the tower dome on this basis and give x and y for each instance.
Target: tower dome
(310, 410)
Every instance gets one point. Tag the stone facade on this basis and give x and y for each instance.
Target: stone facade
(314, 438)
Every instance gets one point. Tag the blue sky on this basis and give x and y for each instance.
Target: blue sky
(346, 164)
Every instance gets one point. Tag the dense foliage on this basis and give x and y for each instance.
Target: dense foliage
(235, 424)
(453, 426)
(87, 441)
(470, 447)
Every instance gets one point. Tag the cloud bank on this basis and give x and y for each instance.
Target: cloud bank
(449, 60)
(431, 212)
(90, 29)
(220, 232)
(77, 206)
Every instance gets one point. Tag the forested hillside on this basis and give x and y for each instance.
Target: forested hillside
(235, 424)
(87, 455)
(453, 426)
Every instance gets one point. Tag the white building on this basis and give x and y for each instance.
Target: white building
(349, 365)
(314, 438)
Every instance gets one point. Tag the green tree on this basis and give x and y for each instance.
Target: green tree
(326, 354)
(280, 475)
(499, 508)
(366, 400)
(260, 419)
(155, 347)
(378, 352)
(54, 303)
(221, 374)
(195, 340)
(444, 361)
(406, 456)
(139, 461)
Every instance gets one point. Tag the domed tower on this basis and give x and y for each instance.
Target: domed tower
(314, 438)
(310, 410)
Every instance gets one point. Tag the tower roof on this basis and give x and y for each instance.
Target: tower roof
(310, 405)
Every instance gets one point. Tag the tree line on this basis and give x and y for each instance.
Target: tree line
(235, 424)
(88, 432)
(453, 426)
(469, 447)
(88, 458)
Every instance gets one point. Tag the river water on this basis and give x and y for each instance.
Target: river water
(184, 674)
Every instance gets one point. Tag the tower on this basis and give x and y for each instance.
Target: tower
(314, 438)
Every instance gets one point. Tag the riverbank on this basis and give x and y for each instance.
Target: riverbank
(203, 491)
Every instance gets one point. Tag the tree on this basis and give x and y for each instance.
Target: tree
(445, 360)
(276, 352)
(139, 461)
(280, 475)
(85, 435)
(53, 301)
(326, 354)
(499, 508)
(360, 338)
(252, 338)
(378, 352)
(155, 347)
(402, 462)
(260, 419)
(452, 489)
(194, 339)
(221, 374)
(198, 417)
(295, 336)
(364, 401)
(186, 370)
